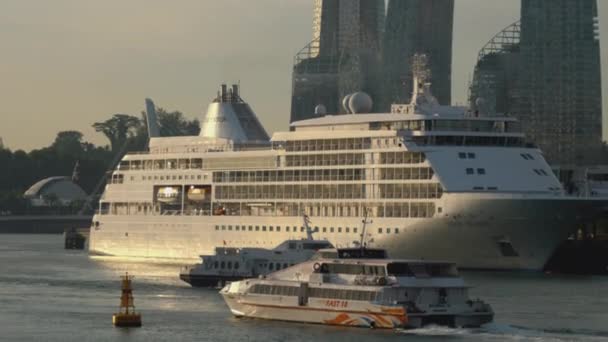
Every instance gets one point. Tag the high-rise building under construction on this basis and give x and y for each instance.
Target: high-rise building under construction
(417, 27)
(559, 98)
(342, 58)
(493, 88)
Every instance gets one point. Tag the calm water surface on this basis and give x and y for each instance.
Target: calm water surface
(49, 294)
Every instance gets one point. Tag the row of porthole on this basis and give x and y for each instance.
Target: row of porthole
(315, 229)
(287, 229)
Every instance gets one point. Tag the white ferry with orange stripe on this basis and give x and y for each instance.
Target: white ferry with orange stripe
(377, 293)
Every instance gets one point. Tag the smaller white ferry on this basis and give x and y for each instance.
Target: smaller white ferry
(337, 288)
(231, 264)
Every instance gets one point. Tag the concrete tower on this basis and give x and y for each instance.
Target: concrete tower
(559, 95)
(417, 27)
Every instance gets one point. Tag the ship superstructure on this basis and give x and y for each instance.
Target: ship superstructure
(436, 181)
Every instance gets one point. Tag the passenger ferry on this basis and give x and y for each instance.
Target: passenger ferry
(439, 182)
(378, 293)
(231, 263)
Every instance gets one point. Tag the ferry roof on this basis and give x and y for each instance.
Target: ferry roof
(347, 119)
(384, 261)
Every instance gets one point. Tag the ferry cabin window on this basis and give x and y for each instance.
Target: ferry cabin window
(354, 269)
(274, 290)
(236, 265)
(481, 171)
(470, 171)
(342, 294)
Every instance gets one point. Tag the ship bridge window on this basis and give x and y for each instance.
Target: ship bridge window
(399, 269)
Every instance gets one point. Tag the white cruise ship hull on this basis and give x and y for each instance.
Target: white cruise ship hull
(480, 232)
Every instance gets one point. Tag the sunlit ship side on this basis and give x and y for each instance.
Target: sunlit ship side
(437, 181)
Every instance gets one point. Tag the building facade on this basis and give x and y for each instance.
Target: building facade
(342, 58)
(559, 92)
(417, 27)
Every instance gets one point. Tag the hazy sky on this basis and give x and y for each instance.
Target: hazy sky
(65, 64)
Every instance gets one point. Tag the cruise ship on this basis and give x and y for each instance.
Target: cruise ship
(438, 182)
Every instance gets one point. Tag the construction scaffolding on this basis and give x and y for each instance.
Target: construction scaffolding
(343, 57)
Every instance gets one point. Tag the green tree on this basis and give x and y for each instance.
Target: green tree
(175, 124)
(118, 129)
(68, 143)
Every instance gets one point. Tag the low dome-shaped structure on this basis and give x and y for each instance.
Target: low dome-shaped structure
(61, 189)
(320, 110)
(360, 102)
(345, 103)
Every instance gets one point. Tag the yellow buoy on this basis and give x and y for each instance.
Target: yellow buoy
(126, 316)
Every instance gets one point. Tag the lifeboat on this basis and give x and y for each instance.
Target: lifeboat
(169, 194)
(197, 194)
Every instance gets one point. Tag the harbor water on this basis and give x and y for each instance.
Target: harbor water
(50, 294)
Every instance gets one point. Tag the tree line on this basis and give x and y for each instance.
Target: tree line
(125, 133)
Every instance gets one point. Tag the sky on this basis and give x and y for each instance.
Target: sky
(66, 64)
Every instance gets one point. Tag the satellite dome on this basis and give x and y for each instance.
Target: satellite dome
(346, 103)
(480, 102)
(360, 102)
(320, 110)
